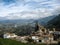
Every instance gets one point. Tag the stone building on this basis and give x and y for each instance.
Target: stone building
(43, 35)
(9, 35)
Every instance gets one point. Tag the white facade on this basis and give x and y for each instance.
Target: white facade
(50, 31)
(35, 38)
(50, 38)
(7, 35)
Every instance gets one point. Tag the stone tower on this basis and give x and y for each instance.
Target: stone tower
(54, 29)
(36, 26)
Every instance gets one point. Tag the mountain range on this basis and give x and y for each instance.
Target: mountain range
(55, 22)
(42, 21)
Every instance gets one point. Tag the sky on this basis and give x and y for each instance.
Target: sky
(28, 9)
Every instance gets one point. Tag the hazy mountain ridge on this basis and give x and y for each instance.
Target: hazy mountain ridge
(55, 22)
(44, 21)
(30, 21)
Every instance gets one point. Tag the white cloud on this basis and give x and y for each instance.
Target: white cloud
(23, 10)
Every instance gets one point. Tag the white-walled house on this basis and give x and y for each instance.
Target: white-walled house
(9, 35)
(35, 38)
